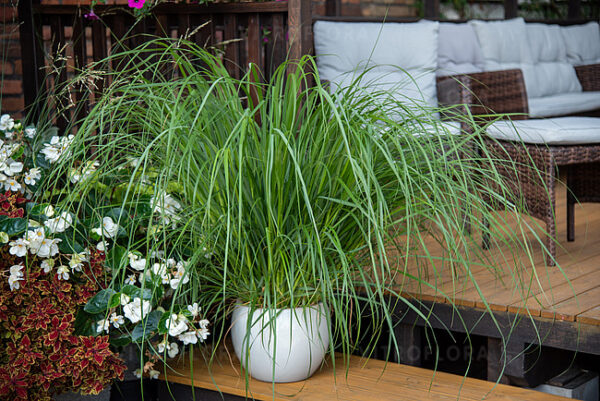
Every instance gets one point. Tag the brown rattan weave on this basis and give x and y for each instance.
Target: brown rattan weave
(531, 172)
(589, 76)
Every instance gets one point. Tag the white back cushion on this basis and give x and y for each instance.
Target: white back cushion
(503, 42)
(398, 58)
(459, 51)
(551, 73)
(538, 51)
(583, 43)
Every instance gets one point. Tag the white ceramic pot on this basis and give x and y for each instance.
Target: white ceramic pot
(285, 345)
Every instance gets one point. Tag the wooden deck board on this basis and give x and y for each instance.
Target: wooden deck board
(363, 380)
(570, 293)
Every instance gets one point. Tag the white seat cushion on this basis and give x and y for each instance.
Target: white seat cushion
(563, 104)
(583, 43)
(459, 51)
(551, 131)
(399, 59)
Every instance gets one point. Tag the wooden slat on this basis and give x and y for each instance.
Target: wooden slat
(432, 9)
(543, 290)
(99, 46)
(232, 56)
(568, 309)
(30, 31)
(57, 29)
(511, 9)
(591, 316)
(79, 52)
(364, 380)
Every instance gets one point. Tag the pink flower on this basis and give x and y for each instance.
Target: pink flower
(92, 16)
(136, 3)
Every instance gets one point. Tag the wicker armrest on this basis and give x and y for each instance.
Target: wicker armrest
(589, 76)
(486, 92)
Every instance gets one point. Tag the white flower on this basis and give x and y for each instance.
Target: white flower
(32, 176)
(159, 269)
(138, 264)
(6, 122)
(146, 276)
(125, 299)
(18, 247)
(202, 334)
(138, 373)
(194, 309)
(188, 338)
(49, 211)
(176, 324)
(161, 347)
(15, 270)
(12, 185)
(13, 282)
(9, 134)
(116, 320)
(203, 323)
(102, 245)
(76, 262)
(47, 265)
(179, 276)
(153, 374)
(30, 132)
(103, 325)
(57, 148)
(137, 310)
(46, 247)
(108, 228)
(130, 279)
(173, 350)
(59, 224)
(35, 237)
(12, 168)
(166, 207)
(62, 272)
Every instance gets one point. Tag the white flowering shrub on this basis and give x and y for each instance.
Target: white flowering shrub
(145, 297)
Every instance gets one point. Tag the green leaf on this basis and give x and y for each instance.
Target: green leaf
(100, 302)
(69, 244)
(137, 292)
(84, 324)
(162, 324)
(120, 341)
(37, 210)
(116, 258)
(145, 329)
(12, 226)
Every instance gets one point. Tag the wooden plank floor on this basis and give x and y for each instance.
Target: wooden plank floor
(364, 380)
(522, 283)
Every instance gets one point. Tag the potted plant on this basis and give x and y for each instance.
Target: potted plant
(306, 204)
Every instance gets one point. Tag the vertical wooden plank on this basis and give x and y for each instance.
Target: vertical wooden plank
(79, 52)
(162, 25)
(431, 9)
(31, 37)
(333, 8)
(99, 47)
(230, 33)
(279, 42)
(203, 35)
(300, 28)
(511, 9)
(57, 29)
(183, 25)
(574, 10)
(254, 42)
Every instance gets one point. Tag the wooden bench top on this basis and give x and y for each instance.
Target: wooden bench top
(364, 380)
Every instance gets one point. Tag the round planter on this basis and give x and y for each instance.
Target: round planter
(285, 345)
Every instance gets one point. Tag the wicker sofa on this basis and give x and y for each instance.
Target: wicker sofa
(506, 91)
(454, 53)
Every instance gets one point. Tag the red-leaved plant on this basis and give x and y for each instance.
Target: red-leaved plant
(42, 354)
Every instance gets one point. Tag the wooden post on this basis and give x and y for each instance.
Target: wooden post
(432, 9)
(300, 28)
(30, 30)
(408, 337)
(333, 8)
(511, 9)
(574, 10)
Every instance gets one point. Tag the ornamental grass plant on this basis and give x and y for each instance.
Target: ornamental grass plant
(282, 194)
